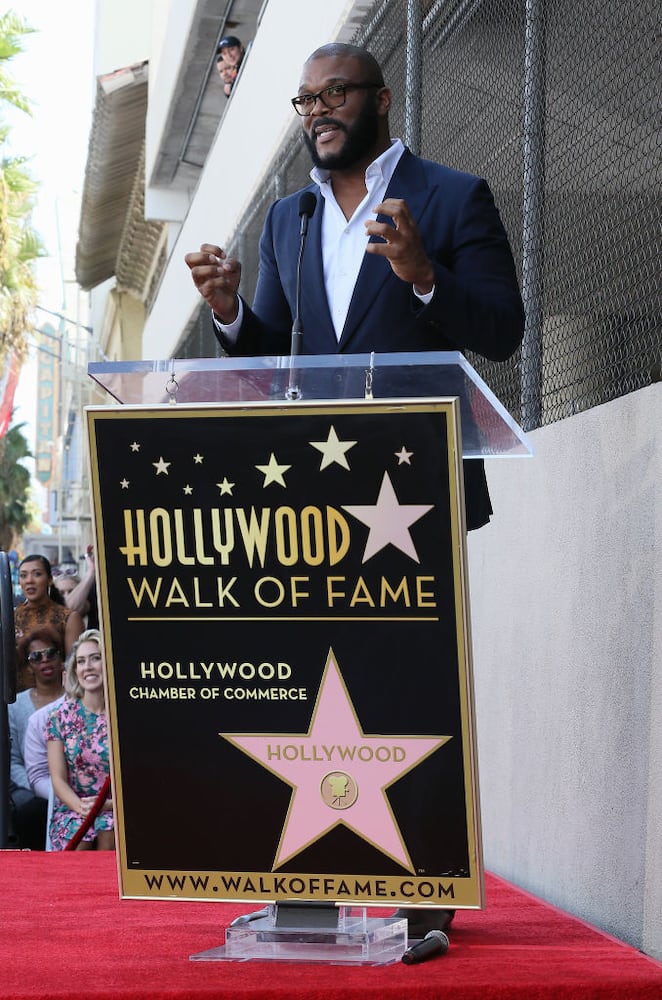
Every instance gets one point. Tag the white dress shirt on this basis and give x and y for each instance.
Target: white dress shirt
(343, 240)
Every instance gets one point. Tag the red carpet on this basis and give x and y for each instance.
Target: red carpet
(64, 933)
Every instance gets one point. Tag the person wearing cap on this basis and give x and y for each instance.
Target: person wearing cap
(230, 50)
(229, 55)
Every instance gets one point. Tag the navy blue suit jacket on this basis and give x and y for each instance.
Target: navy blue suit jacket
(476, 304)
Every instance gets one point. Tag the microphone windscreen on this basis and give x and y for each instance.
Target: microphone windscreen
(434, 943)
(307, 203)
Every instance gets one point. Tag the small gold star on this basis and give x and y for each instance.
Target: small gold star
(273, 472)
(333, 450)
(226, 487)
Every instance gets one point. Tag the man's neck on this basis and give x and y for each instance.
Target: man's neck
(349, 186)
(349, 191)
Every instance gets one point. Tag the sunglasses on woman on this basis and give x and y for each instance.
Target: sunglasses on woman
(37, 655)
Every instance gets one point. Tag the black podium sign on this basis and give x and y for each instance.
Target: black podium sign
(284, 608)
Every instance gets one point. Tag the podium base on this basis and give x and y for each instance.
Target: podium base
(355, 939)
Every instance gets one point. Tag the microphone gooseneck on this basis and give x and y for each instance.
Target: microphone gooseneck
(307, 204)
(434, 943)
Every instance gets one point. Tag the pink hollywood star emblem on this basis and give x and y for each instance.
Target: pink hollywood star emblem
(338, 774)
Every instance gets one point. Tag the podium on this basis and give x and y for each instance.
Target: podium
(282, 588)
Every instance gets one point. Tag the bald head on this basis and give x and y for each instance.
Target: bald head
(371, 70)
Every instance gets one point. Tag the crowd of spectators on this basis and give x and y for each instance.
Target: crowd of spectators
(59, 751)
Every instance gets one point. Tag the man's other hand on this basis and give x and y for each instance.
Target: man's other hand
(216, 276)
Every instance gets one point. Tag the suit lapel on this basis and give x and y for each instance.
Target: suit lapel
(314, 303)
(407, 183)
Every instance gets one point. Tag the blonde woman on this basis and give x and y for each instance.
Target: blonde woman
(78, 757)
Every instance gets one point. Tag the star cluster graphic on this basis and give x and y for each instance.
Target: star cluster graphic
(263, 473)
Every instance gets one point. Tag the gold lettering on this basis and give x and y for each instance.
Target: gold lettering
(287, 543)
(424, 598)
(176, 595)
(180, 540)
(312, 536)
(254, 534)
(224, 548)
(160, 536)
(402, 589)
(361, 594)
(152, 594)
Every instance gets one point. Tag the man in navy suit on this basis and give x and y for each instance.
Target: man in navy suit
(403, 254)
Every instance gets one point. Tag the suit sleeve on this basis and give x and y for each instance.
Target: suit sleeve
(477, 304)
(259, 335)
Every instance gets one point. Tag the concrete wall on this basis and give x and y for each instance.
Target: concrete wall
(566, 586)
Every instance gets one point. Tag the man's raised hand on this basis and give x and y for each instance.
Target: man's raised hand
(216, 276)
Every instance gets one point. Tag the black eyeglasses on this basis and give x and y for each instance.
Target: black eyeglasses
(331, 97)
(37, 655)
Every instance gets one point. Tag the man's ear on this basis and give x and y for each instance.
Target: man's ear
(383, 101)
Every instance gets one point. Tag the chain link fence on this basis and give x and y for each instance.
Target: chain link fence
(557, 105)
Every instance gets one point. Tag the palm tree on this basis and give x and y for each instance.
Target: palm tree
(15, 510)
(19, 248)
(19, 244)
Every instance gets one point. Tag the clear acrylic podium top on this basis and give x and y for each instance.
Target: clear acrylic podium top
(488, 430)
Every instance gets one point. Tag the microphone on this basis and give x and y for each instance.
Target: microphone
(434, 943)
(307, 203)
(247, 918)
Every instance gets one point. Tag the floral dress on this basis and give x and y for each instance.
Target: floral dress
(84, 736)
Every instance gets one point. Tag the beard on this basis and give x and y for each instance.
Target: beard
(360, 139)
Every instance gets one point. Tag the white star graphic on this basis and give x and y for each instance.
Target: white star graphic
(273, 472)
(388, 521)
(197, 459)
(188, 490)
(403, 456)
(161, 466)
(333, 450)
(124, 483)
(135, 446)
(225, 486)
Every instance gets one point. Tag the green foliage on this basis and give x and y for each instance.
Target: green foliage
(20, 246)
(15, 507)
(12, 31)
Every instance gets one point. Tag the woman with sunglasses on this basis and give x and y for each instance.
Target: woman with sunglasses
(42, 650)
(44, 605)
(78, 751)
